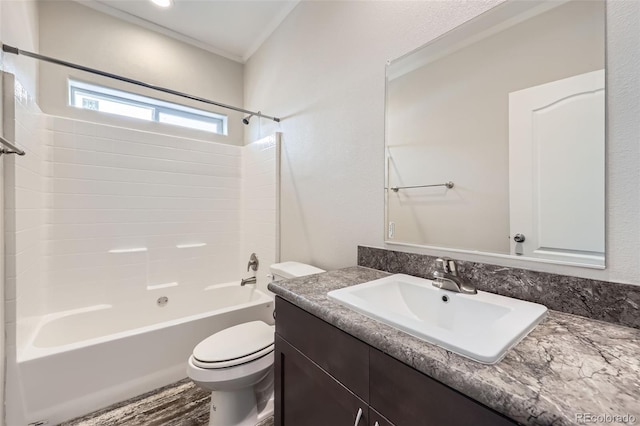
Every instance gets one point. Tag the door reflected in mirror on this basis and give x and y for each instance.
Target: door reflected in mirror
(508, 108)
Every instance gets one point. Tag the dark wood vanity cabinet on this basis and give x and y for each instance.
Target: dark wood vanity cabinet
(409, 397)
(324, 377)
(308, 396)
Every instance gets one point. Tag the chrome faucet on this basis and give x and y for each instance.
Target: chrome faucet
(250, 280)
(446, 277)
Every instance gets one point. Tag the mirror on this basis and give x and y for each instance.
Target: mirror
(495, 136)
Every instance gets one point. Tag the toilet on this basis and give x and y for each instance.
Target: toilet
(236, 364)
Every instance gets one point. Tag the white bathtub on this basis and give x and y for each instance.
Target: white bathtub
(82, 360)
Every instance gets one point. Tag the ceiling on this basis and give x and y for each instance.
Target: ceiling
(231, 28)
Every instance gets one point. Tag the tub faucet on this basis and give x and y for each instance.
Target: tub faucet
(250, 280)
(446, 277)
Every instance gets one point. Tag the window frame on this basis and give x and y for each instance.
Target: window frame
(157, 106)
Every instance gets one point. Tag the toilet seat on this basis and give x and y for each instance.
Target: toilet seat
(235, 345)
(233, 362)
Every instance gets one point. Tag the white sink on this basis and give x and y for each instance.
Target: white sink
(481, 326)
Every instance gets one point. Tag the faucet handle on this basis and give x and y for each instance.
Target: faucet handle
(446, 265)
(253, 262)
(442, 263)
(452, 267)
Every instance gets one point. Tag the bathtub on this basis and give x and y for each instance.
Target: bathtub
(81, 360)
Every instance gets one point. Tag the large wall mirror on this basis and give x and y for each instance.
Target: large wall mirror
(495, 136)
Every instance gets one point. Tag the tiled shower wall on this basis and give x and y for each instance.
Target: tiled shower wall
(24, 215)
(24, 186)
(128, 210)
(260, 200)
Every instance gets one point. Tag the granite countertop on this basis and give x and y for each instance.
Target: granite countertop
(568, 365)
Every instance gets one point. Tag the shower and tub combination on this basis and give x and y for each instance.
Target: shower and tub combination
(125, 249)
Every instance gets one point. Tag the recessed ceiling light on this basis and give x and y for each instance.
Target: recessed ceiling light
(162, 3)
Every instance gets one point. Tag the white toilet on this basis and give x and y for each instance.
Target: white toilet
(236, 364)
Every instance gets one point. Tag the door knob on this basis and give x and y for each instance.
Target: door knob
(519, 238)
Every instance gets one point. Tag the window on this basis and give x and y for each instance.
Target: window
(112, 101)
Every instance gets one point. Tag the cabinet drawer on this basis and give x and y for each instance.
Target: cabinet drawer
(410, 398)
(338, 353)
(307, 396)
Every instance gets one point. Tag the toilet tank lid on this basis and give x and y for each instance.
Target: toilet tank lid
(294, 269)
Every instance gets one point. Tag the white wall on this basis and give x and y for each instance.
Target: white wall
(323, 71)
(73, 32)
(19, 28)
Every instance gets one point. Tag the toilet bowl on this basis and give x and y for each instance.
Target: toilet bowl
(236, 365)
(230, 364)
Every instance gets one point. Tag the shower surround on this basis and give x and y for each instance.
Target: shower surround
(98, 215)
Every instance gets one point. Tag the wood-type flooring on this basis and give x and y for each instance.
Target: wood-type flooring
(178, 404)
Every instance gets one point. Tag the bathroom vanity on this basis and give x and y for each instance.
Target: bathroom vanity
(325, 376)
(332, 362)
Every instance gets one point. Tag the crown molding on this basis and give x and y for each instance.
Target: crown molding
(101, 7)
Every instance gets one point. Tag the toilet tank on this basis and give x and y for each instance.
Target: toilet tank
(287, 270)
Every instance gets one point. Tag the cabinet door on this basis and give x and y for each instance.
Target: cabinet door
(341, 355)
(305, 395)
(409, 398)
(376, 419)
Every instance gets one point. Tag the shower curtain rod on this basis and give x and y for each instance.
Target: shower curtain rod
(16, 51)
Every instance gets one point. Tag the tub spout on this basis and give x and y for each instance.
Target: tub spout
(250, 280)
